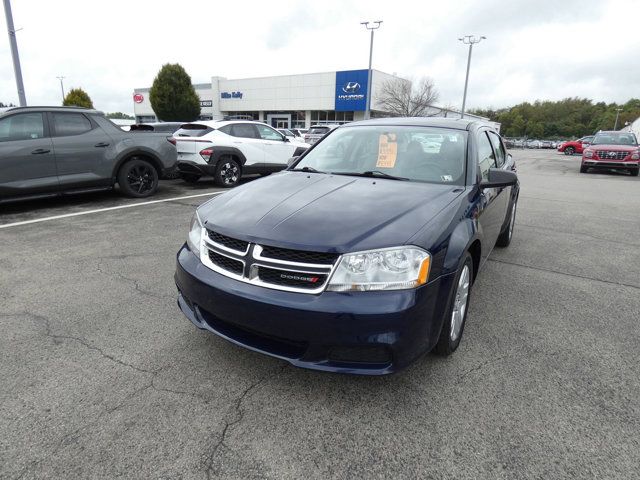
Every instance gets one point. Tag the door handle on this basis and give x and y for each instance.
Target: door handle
(40, 151)
(101, 145)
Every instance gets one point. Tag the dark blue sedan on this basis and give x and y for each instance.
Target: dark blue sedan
(361, 256)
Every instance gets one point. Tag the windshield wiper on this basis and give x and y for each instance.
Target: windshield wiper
(372, 173)
(306, 169)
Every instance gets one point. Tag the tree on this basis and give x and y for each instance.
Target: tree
(172, 95)
(119, 116)
(77, 98)
(402, 98)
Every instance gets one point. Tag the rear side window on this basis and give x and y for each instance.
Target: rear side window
(241, 130)
(66, 124)
(193, 130)
(498, 148)
(23, 126)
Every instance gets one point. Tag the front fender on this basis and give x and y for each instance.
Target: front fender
(465, 233)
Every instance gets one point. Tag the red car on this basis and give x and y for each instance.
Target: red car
(575, 146)
(612, 150)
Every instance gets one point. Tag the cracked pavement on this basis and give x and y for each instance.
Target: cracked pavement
(102, 377)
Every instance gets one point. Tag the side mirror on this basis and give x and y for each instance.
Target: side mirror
(499, 178)
(285, 138)
(292, 160)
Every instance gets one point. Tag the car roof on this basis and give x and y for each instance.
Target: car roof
(441, 122)
(53, 109)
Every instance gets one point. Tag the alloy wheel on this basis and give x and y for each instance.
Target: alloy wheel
(140, 178)
(460, 303)
(229, 173)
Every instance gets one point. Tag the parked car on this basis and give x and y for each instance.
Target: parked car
(289, 134)
(228, 149)
(316, 132)
(575, 146)
(534, 144)
(300, 132)
(356, 259)
(612, 150)
(158, 127)
(48, 151)
(546, 144)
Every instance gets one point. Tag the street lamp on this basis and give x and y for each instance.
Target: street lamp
(618, 110)
(470, 40)
(370, 26)
(14, 53)
(61, 86)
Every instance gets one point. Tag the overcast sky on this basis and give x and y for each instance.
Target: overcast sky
(542, 49)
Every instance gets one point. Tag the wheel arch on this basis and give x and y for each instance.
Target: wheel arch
(142, 153)
(464, 238)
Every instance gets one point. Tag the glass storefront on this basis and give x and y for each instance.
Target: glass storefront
(319, 117)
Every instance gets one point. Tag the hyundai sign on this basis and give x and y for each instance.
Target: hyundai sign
(351, 90)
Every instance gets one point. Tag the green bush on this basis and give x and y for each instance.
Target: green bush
(77, 98)
(172, 95)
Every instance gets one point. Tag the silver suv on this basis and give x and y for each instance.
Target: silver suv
(316, 132)
(47, 151)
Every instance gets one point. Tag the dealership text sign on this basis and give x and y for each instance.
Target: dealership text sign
(230, 94)
(351, 90)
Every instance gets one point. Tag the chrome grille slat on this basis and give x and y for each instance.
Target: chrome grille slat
(267, 271)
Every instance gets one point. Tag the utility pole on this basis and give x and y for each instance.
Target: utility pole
(618, 110)
(14, 53)
(470, 40)
(370, 26)
(61, 86)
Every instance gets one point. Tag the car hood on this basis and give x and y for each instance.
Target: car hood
(614, 148)
(323, 212)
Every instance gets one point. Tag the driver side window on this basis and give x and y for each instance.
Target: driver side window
(268, 133)
(486, 157)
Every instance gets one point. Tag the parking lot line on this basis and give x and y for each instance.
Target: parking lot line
(98, 210)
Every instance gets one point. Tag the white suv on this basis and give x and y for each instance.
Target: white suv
(227, 149)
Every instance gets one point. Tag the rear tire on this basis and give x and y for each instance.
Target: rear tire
(569, 151)
(228, 172)
(453, 325)
(505, 237)
(634, 172)
(138, 178)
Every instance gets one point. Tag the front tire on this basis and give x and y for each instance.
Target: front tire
(453, 325)
(634, 172)
(583, 169)
(138, 178)
(228, 172)
(569, 151)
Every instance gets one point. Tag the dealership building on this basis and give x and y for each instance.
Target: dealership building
(287, 101)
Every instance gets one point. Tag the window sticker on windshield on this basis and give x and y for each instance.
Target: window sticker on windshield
(387, 150)
(446, 178)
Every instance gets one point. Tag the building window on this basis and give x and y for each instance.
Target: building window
(242, 116)
(319, 117)
(146, 119)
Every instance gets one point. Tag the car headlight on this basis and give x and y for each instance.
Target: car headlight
(386, 269)
(194, 239)
(588, 154)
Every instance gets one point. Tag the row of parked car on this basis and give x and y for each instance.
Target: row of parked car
(531, 143)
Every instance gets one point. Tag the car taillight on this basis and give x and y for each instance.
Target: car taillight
(588, 154)
(206, 154)
(171, 140)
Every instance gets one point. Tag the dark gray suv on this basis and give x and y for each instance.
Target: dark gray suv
(56, 150)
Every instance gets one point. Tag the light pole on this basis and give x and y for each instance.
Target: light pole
(14, 53)
(618, 110)
(370, 26)
(61, 86)
(470, 40)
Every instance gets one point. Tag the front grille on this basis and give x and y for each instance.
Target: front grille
(226, 263)
(232, 243)
(286, 278)
(605, 155)
(300, 256)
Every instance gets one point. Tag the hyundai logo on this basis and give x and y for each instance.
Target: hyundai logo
(351, 87)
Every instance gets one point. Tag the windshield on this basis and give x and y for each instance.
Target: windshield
(424, 154)
(615, 138)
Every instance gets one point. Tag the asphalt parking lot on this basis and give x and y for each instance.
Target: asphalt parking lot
(101, 376)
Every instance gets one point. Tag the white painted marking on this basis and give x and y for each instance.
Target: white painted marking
(88, 212)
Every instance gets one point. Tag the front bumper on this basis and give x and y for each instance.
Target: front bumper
(608, 164)
(370, 333)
